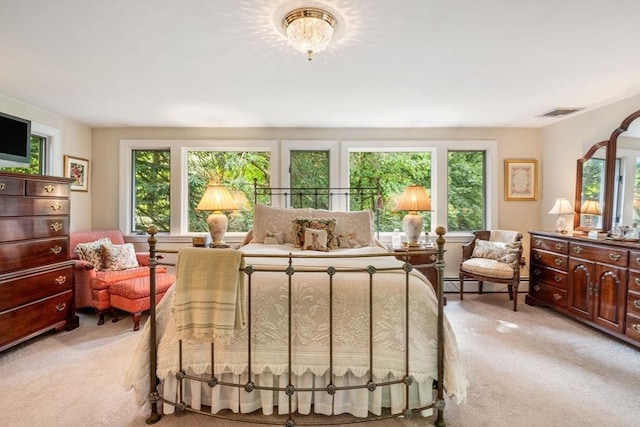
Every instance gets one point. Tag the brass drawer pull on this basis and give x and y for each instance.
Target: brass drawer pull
(637, 281)
(558, 261)
(2, 185)
(636, 303)
(614, 257)
(558, 279)
(56, 206)
(559, 245)
(537, 271)
(49, 188)
(638, 260)
(56, 249)
(538, 242)
(60, 280)
(557, 297)
(578, 249)
(636, 328)
(537, 256)
(61, 306)
(536, 288)
(56, 226)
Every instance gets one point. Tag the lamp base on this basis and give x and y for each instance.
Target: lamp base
(412, 224)
(217, 223)
(561, 225)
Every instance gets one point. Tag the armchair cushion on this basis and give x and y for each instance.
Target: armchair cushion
(489, 268)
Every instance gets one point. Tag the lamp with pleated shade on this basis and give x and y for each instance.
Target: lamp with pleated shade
(414, 198)
(217, 198)
(590, 208)
(561, 207)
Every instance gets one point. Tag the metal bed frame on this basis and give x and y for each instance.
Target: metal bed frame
(438, 385)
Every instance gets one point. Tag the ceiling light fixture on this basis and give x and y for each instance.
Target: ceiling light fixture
(309, 29)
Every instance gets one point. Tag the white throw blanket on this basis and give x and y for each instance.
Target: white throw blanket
(210, 294)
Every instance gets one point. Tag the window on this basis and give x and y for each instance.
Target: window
(37, 165)
(309, 169)
(164, 180)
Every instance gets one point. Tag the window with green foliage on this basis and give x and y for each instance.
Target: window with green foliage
(237, 170)
(37, 166)
(309, 169)
(466, 201)
(151, 194)
(395, 171)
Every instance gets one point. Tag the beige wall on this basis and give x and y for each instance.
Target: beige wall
(75, 140)
(565, 142)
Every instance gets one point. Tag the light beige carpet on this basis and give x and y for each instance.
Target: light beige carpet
(531, 368)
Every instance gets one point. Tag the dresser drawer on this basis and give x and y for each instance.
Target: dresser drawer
(633, 303)
(549, 276)
(549, 259)
(548, 293)
(33, 253)
(606, 255)
(634, 260)
(12, 229)
(11, 186)
(30, 319)
(634, 281)
(21, 206)
(633, 327)
(47, 189)
(23, 290)
(551, 245)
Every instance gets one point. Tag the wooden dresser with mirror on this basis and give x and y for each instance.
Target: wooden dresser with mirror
(597, 280)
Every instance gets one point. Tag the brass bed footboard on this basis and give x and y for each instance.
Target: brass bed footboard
(249, 386)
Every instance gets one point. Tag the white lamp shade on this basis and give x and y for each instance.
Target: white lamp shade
(590, 207)
(217, 198)
(561, 207)
(414, 198)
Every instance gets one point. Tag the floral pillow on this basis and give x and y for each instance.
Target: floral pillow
(499, 251)
(327, 224)
(315, 240)
(119, 257)
(92, 252)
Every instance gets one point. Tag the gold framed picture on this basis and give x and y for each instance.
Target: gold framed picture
(78, 169)
(520, 180)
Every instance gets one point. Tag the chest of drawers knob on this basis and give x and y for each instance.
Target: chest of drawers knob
(614, 257)
(56, 249)
(636, 303)
(61, 306)
(557, 297)
(49, 188)
(578, 249)
(56, 206)
(559, 246)
(60, 280)
(56, 226)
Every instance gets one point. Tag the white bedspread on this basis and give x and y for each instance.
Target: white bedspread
(310, 330)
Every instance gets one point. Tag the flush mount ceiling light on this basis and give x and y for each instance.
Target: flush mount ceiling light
(309, 29)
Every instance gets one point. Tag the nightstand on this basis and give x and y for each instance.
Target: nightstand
(424, 262)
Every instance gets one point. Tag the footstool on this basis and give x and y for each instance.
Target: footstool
(132, 295)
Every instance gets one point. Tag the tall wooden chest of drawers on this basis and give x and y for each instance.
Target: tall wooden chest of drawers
(36, 273)
(594, 281)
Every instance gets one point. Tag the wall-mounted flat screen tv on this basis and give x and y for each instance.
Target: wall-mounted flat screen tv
(15, 135)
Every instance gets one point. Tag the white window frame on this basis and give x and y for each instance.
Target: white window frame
(52, 149)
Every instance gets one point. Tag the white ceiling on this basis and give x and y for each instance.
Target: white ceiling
(393, 63)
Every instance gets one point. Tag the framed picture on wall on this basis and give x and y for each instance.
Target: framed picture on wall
(521, 180)
(78, 169)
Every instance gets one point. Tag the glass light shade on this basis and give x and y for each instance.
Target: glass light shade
(309, 30)
(217, 198)
(414, 198)
(560, 208)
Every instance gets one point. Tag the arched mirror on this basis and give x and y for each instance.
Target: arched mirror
(608, 180)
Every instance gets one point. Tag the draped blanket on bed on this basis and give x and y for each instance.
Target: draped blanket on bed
(310, 332)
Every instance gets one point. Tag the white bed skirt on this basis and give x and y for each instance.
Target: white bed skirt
(357, 402)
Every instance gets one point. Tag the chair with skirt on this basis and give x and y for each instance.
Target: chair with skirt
(493, 256)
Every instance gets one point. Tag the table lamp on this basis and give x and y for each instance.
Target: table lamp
(589, 209)
(561, 207)
(414, 198)
(217, 198)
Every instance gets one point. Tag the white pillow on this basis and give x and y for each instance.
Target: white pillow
(359, 224)
(92, 252)
(268, 219)
(119, 257)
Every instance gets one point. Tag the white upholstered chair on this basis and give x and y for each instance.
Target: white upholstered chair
(493, 256)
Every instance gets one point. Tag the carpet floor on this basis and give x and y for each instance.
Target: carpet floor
(530, 368)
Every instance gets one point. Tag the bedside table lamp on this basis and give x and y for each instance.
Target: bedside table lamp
(561, 207)
(589, 209)
(217, 198)
(413, 199)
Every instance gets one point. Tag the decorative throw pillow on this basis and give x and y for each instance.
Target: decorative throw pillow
(270, 240)
(328, 224)
(315, 240)
(512, 254)
(489, 250)
(119, 257)
(268, 219)
(91, 252)
(278, 236)
(348, 241)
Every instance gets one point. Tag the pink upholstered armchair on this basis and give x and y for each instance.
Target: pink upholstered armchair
(91, 284)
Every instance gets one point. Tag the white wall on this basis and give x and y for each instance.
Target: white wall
(565, 142)
(75, 140)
